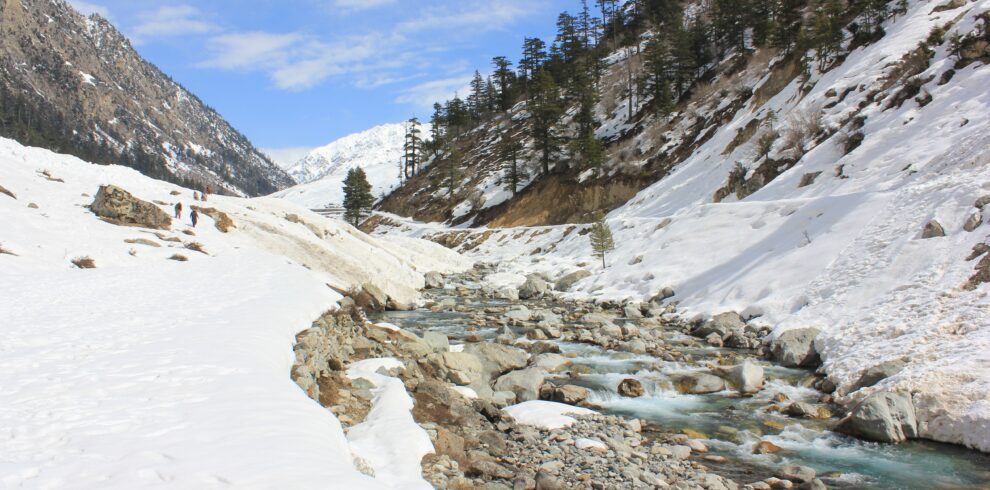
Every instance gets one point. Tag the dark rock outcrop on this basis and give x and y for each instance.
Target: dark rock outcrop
(118, 206)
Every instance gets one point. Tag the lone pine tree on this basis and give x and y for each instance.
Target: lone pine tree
(601, 238)
(357, 196)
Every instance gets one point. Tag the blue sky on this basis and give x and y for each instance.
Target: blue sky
(297, 74)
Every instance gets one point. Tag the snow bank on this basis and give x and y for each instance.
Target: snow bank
(544, 414)
(389, 439)
(147, 371)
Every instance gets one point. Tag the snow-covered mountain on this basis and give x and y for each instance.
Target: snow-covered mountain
(866, 219)
(75, 84)
(321, 173)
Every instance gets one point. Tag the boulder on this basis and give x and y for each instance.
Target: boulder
(525, 383)
(796, 473)
(598, 319)
(549, 362)
(460, 368)
(796, 348)
(498, 359)
(519, 313)
(982, 202)
(570, 394)
(437, 341)
(221, 220)
(698, 383)
(746, 378)
(665, 293)
(974, 221)
(878, 373)
(723, 324)
(534, 287)
(882, 417)
(765, 447)
(933, 229)
(508, 294)
(565, 283)
(118, 206)
(434, 280)
(632, 311)
(631, 388)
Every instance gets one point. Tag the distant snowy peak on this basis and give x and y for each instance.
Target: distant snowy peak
(321, 173)
(381, 145)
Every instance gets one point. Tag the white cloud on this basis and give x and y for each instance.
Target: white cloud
(252, 50)
(287, 157)
(425, 94)
(171, 21)
(87, 8)
(488, 15)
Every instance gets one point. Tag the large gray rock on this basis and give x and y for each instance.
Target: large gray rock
(796, 473)
(882, 417)
(878, 373)
(434, 280)
(525, 383)
(520, 314)
(698, 383)
(437, 341)
(723, 324)
(796, 348)
(746, 378)
(120, 207)
(631, 388)
(565, 283)
(534, 287)
(632, 311)
(549, 362)
(460, 368)
(498, 359)
(933, 229)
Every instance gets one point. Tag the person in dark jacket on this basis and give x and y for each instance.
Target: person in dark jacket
(178, 210)
(194, 216)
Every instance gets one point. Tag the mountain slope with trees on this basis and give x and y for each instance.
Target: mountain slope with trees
(75, 85)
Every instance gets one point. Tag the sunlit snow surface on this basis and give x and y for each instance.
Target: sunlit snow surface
(147, 372)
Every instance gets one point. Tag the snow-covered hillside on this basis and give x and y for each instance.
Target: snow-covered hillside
(321, 173)
(147, 371)
(835, 241)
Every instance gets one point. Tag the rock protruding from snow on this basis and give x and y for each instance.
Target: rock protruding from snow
(933, 229)
(974, 221)
(796, 348)
(567, 282)
(434, 280)
(534, 287)
(878, 373)
(882, 417)
(120, 207)
(723, 324)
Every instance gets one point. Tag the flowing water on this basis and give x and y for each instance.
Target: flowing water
(729, 424)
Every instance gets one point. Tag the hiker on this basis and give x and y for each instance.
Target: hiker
(194, 216)
(178, 210)
(207, 192)
(195, 195)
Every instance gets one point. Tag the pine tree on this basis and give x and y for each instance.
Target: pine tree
(412, 147)
(357, 196)
(510, 150)
(533, 57)
(476, 101)
(437, 123)
(546, 110)
(452, 170)
(601, 238)
(503, 81)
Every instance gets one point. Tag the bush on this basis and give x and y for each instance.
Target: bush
(802, 128)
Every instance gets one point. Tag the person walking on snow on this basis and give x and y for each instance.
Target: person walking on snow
(194, 216)
(178, 210)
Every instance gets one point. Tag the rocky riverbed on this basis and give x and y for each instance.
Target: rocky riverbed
(659, 403)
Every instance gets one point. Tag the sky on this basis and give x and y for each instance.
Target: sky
(297, 74)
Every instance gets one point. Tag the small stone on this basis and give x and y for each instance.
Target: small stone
(766, 447)
(697, 446)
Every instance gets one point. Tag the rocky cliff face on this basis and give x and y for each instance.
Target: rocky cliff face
(75, 85)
